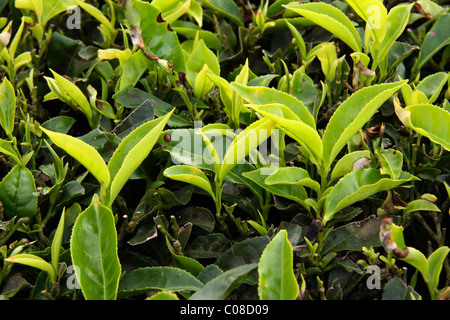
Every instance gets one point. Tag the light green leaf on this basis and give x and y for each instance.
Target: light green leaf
(244, 143)
(276, 276)
(293, 175)
(164, 295)
(328, 60)
(351, 116)
(345, 164)
(264, 95)
(7, 107)
(83, 153)
(421, 205)
(190, 175)
(293, 126)
(35, 262)
(375, 15)
(6, 147)
(294, 192)
(201, 56)
(45, 10)
(132, 151)
(396, 22)
(57, 240)
(75, 94)
(430, 121)
(17, 193)
(432, 85)
(391, 162)
(418, 260)
(356, 186)
(435, 264)
(331, 19)
(94, 251)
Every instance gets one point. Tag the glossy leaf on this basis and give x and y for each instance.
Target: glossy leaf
(432, 85)
(35, 262)
(132, 151)
(156, 35)
(200, 57)
(437, 38)
(45, 10)
(435, 264)
(17, 193)
(351, 116)
(396, 22)
(294, 127)
(359, 185)
(94, 250)
(375, 15)
(391, 162)
(292, 175)
(244, 143)
(346, 163)
(420, 205)
(328, 60)
(264, 95)
(276, 276)
(227, 8)
(296, 193)
(224, 284)
(430, 121)
(74, 93)
(147, 279)
(87, 155)
(331, 19)
(7, 107)
(191, 175)
(57, 240)
(163, 295)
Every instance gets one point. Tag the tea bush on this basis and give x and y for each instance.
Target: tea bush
(219, 149)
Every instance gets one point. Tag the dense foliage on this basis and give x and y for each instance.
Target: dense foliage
(220, 149)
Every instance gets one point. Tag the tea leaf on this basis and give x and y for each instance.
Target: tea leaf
(351, 115)
(435, 264)
(263, 95)
(94, 250)
(430, 121)
(359, 185)
(331, 19)
(83, 153)
(7, 107)
(437, 38)
(224, 284)
(142, 280)
(396, 22)
(35, 262)
(17, 193)
(375, 15)
(132, 151)
(191, 175)
(244, 143)
(276, 277)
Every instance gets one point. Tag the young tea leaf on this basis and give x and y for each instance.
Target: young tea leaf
(94, 251)
(331, 19)
(276, 276)
(190, 175)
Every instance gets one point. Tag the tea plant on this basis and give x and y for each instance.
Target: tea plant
(191, 150)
